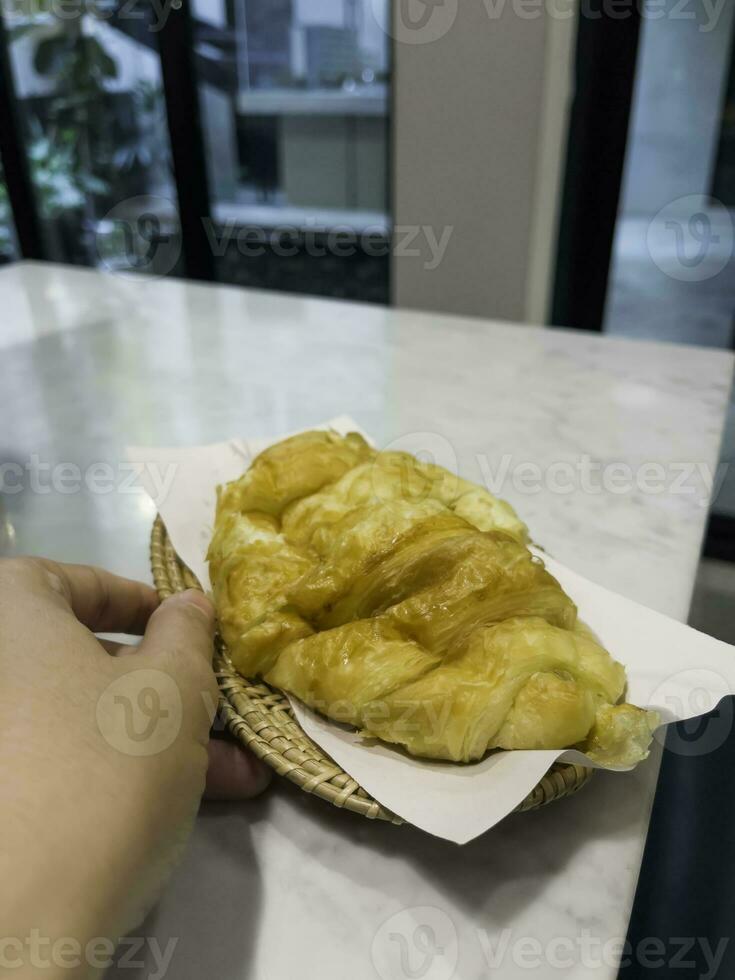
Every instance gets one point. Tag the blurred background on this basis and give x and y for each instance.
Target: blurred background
(292, 123)
(563, 169)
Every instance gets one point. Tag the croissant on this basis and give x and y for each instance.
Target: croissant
(391, 595)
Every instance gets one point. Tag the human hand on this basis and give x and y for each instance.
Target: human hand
(104, 748)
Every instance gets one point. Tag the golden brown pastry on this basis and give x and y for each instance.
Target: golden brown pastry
(391, 595)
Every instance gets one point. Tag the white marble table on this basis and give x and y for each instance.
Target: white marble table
(289, 886)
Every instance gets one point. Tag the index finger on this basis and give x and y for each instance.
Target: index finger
(103, 602)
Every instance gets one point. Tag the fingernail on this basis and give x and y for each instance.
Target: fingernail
(196, 599)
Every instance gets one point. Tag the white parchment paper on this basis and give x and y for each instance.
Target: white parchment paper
(672, 668)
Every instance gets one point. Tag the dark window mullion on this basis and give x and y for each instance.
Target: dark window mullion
(606, 57)
(176, 40)
(15, 160)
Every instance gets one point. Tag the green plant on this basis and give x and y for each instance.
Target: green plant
(60, 183)
(69, 151)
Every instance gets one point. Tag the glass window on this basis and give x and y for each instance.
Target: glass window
(88, 84)
(673, 272)
(295, 104)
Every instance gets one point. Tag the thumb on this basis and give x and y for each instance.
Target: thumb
(180, 637)
(183, 621)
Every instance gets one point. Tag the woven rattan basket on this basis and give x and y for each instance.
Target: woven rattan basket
(260, 718)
